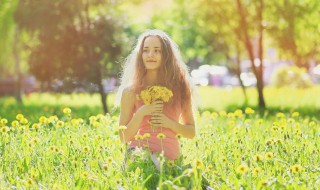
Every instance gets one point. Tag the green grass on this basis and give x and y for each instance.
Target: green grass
(304, 101)
(87, 154)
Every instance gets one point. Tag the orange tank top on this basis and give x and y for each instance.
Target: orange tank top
(170, 145)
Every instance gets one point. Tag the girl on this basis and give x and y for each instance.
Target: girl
(156, 61)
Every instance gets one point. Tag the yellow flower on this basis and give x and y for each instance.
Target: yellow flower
(109, 160)
(256, 171)
(280, 114)
(249, 111)
(238, 113)
(242, 169)
(295, 114)
(60, 123)
(170, 163)
(43, 120)
(179, 136)
(161, 136)
(5, 129)
(29, 182)
(146, 136)
(15, 123)
(138, 137)
(223, 114)
(35, 126)
(269, 156)
(24, 121)
(296, 168)
(86, 149)
(258, 157)
(66, 110)
(122, 127)
(19, 117)
(199, 164)
(96, 124)
(312, 124)
(4, 121)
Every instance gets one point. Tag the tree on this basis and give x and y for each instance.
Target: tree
(79, 44)
(294, 27)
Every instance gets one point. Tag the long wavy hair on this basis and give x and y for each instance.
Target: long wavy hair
(173, 72)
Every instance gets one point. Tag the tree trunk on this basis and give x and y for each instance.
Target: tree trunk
(18, 86)
(249, 48)
(238, 71)
(103, 95)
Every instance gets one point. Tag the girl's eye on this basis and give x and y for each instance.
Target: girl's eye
(157, 51)
(145, 51)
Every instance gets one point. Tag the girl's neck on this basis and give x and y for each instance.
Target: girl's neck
(151, 77)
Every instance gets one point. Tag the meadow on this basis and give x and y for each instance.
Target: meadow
(63, 142)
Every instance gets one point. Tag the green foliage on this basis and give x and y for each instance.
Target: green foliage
(291, 76)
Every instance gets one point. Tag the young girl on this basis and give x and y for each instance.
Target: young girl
(156, 61)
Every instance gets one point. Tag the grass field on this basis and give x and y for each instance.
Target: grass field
(233, 149)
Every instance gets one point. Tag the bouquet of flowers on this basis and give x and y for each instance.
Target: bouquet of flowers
(153, 93)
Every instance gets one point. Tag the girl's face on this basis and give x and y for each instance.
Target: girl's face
(151, 55)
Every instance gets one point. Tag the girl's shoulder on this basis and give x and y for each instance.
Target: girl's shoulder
(129, 91)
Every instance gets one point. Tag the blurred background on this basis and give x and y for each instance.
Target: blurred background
(258, 53)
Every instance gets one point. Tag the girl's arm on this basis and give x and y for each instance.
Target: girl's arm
(133, 120)
(187, 129)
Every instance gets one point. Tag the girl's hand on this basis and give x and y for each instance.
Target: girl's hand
(154, 108)
(160, 120)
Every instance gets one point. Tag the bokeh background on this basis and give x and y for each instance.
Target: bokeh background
(241, 53)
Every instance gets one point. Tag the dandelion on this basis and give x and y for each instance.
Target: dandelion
(85, 135)
(29, 182)
(242, 169)
(19, 116)
(296, 168)
(295, 114)
(249, 111)
(258, 157)
(43, 120)
(24, 121)
(170, 163)
(290, 120)
(60, 124)
(86, 149)
(122, 127)
(269, 156)
(256, 171)
(138, 137)
(67, 110)
(223, 114)
(35, 126)
(199, 164)
(179, 136)
(85, 174)
(105, 166)
(280, 115)
(96, 124)
(4, 121)
(14, 123)
(312, 124)
(146, 136)
(161, 136)
(109, 160)
(5, 129)
(238, 113)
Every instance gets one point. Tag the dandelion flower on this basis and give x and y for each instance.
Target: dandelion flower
(242, 169)
(256, 171)
(14, 123)
(179, 136)
(249, 111)
(109, 160)
(24, 121)
(269, 156)
(170, 163)
(295, 114)
(66, 110)
(86, 149)
(258, 157)
(296, 168)
(138, 137)
(4, 121)
(199, 164)
(60, 123)
(161, 136)
(122, 127)
(146, 136)
(19, 116)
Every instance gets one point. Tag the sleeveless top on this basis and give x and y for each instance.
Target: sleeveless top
(170, 144)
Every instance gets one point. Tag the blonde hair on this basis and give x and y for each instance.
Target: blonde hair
(173, 72)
